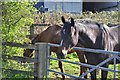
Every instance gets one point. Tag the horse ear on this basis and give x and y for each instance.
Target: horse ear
(72, 22)
(63, 19)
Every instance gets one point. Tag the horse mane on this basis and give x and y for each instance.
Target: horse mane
(92, 24)
(34, 39)
(115, 26)
(86, 21)
(88, 25)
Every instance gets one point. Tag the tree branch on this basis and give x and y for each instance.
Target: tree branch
(14, 23)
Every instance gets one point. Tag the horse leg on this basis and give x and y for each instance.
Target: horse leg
(60, 63)
(82, 59)
(83, 70)
(104, 73)
(61, 68)
(93, 75)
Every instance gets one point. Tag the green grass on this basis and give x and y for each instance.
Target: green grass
(11, 64)
(69, 68)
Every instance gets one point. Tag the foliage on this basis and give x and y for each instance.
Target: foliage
(102, 17)
(16, 20)
(107, 17)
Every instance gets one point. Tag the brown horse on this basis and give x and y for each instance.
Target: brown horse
(52, 35)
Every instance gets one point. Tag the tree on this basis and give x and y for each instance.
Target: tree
(16, 20)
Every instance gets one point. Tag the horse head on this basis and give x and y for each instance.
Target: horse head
(69, 37)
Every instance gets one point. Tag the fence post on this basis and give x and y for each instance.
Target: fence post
(41, 56)
(31, 31)
(114, 66)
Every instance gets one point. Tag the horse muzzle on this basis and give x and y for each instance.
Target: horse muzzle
(64, 53)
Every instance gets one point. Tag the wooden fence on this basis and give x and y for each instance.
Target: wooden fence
(36, 60)
(42, 57)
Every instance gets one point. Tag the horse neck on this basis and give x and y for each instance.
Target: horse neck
(52, 33)
(88, 31)
(36, 39)
(95, 36)
(114, 31)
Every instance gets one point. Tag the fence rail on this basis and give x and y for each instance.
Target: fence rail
(18, 58)
(83, 64)
(88, 49)
(42, 59)
(39, 25)
(19, 71)
(13, 44)
(96, 51)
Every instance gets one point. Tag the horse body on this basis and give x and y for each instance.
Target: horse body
(89, 34)
(94, 35)
(52, 35)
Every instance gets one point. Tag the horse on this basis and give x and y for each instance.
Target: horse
(52, 35)
(89, 34)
